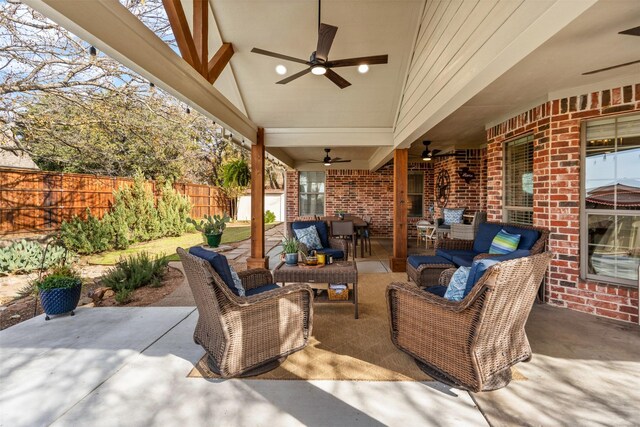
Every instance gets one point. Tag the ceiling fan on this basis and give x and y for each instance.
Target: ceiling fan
(328, 161)
(319, 63)
(630, 32)
(428, 155)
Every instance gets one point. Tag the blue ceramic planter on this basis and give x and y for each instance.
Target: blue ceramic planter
(59, 301)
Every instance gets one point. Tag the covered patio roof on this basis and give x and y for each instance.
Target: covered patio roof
(453, 69)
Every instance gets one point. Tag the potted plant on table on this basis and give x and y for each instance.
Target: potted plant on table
(211, 227)
(59, 291)
(290, 247)
(340, 214)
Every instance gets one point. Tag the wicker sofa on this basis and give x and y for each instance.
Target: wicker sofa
(473, 343)
(425, 271)
(338, 248)
(247, 335)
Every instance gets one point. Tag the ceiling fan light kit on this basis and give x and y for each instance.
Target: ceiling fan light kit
(319, 63)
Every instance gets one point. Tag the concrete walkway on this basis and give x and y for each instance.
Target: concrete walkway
(129, 366)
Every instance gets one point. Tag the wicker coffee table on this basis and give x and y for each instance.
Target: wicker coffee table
(338, 272)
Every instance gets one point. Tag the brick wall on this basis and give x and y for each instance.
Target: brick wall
(555, 126)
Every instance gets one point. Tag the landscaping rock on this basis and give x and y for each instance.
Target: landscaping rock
(98, 293)
(85, 300)
(108, 293)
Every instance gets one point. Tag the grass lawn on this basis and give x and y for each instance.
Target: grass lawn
(167, 246)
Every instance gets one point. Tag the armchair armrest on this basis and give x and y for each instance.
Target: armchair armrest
(454, 244)
(255, 278)
(342, 244)
(445, 277)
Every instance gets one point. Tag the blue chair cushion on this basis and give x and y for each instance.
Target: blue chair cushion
(484, 237)
(219, 264)
(450, 253)
(417, 260)
(479, 267)
(335, 253)
(437, 290)
(457, 284)
(321, 227)
(464, 259)
(261, 289)
(527, 237)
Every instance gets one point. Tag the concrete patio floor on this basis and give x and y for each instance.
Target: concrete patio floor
(128, 366)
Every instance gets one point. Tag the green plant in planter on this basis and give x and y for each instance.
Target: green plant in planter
(290, 247)
(59, 291)
(211, 227)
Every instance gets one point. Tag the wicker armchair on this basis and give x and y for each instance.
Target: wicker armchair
(473, 343)
(246, 336)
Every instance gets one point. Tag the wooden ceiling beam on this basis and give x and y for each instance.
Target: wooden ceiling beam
(201, 34)
(219, 61)
(181, 32)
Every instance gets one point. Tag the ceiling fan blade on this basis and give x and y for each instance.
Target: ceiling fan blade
(294, 76)
(369, 60)
(334, 77)
(326, 34)
(635, 31)
(611, 68)
(278, 55)
(340, 161)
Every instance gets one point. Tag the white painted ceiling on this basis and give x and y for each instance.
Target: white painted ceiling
(553, 70)
(365, 27)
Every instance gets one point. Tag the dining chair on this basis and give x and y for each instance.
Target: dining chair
(346, 230)
(365, 233)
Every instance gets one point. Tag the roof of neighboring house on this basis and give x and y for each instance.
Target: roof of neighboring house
(627, 196)
(14, 159)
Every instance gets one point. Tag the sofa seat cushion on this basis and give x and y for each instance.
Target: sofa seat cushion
(484, 237)
(219, 263)
(417, 260)
(437, 290)
(335, 253)
(464, 259)
(321, 228)
(479, 267)
(450, 253)
(528, 237)
(261, 289)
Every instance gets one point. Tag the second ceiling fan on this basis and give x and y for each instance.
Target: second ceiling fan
(319, 63)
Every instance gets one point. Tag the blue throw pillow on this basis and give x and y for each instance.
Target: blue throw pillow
(452, 216)
(219, 264)
(479, 267)
(309, 236)
(504, 243)
(457, 284)
(237, 281)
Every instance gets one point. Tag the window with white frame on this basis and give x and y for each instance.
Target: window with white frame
(415, 194)
(311, 193)
(518, 180)
(610, 218)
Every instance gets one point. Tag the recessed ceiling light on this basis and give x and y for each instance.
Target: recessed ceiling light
(318, 70)
(363, 68)
(281, 69)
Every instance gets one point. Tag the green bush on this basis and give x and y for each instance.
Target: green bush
(26, 256)
(269, 217)
(136, 271)
(123, 296)
(134, 218)
(173, 211)
(87, 236)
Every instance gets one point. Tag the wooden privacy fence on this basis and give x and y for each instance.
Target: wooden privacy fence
(36, 201)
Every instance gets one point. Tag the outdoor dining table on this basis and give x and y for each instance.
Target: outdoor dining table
(358, 224)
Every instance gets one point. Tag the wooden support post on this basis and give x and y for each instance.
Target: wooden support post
(258, 258)
(201, 34)
(400, 186)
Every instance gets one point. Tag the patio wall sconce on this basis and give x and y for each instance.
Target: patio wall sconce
(466, 174)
